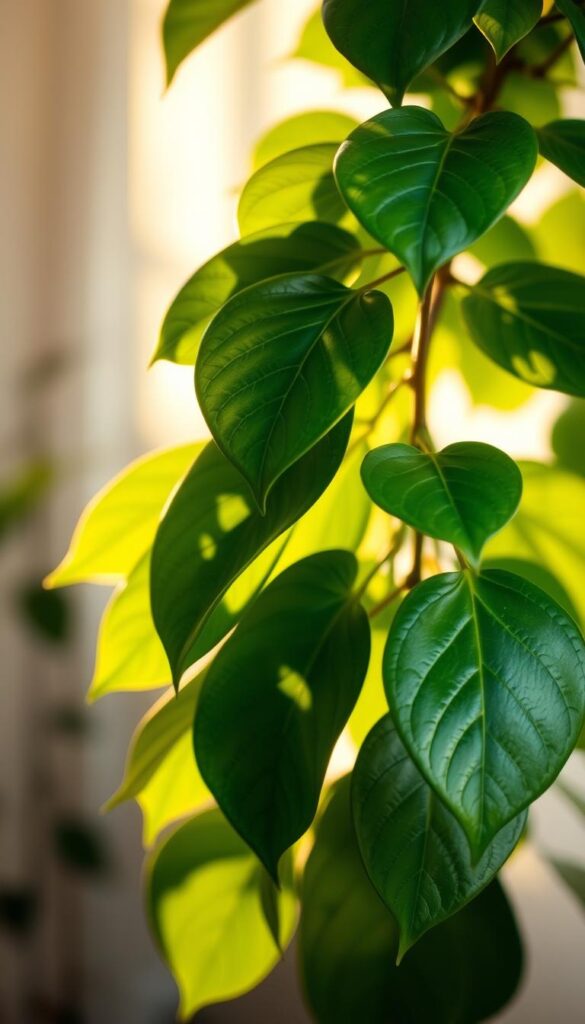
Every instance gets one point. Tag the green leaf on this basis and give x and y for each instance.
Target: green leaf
(463, 494)
(573, 875)
(374, 38)
(188, 22)
(427, 194)
(283, 686)
(576, 15)
(315, 46)
(310, 128)
(161, 772)
(297, 186)
(486, 680)
(568, 438)
(559, 231)
(204, 901)
(414, 850)
(464, 970)
(278, 250)
(282, 363)
(212, 531)
(505, 22)
(540, 576)
(130, 655)
(548, 528)
(119, 524)
(563, 143)
(530, 319)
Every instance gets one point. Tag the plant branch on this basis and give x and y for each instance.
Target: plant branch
(381, 280)
(391, 597)
(542, 70)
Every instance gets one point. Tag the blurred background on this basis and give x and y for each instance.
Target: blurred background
(111, 194)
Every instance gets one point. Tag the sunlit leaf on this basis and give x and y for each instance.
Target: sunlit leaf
(278, 250)
(282, 363)
(486, 680)
(463, 494)
(283, 686)
(204, 902)
(427, 194)
(315, 46)
(373, 37)
(414, 850)
(505, 22)
(212, 531)
(530, 319)
(119, 524)
(307, 129)
(464, 970)
(188, 22)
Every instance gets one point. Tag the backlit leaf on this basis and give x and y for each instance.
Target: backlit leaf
(427, 194)
(282, 363)
(204, 901)
(414, 850)
(530, 319)
(505, 22)
(486, 680)
(283, 686)
(212, 531)
(188, 22)
(463, 494)
(310, 128)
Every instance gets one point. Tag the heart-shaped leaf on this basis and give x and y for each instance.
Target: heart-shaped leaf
(188, 22)
(414, 850)
(464, 970)
(283, 686)
(212, 531)
(281, 363)
(563, 143)
(486, 680)
(463, 494)
(297, 186)
(530, 319)
(505, 22)
(311, 128)
(205, 902)
(427, 194)
(279, 250)
(391, 41)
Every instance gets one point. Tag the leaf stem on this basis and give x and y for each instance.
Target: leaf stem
(381, 280)
(391, 597)
(392, 551)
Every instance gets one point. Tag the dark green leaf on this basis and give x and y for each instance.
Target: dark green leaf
(576, 15)
(463, 494)
(505, 22)
(188, 22)
(427, 194)
(392, 41)
(563, 143)
(278, 250)
(530, 319)
(540, 576)
(283, 686)
(486, 680)
(297, 186)
(282, 363)
(464, 970)
(204, 901)
(47, 612)
(310, 128)
(414, 850)
(212, 531)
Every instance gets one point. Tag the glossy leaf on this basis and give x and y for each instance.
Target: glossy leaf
(548, 528)
(530, 319)
(427, 194)
(463, 494)
(464, 970)
(374, 38)
(161, 773)
(311, 128)
(563, 143)
(282, 363)
(505, 22)
(129, 655)
(119, 524)
(204, 901)
(486, 680)
(187, 23)
(212, 531)
(576, 15)
(278, 250)
(297, 186)
(283, 686)
(414, 850)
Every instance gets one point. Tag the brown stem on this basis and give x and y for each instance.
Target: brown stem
(414, 577)
(542, 70)
(381, 280)
(387, 601)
